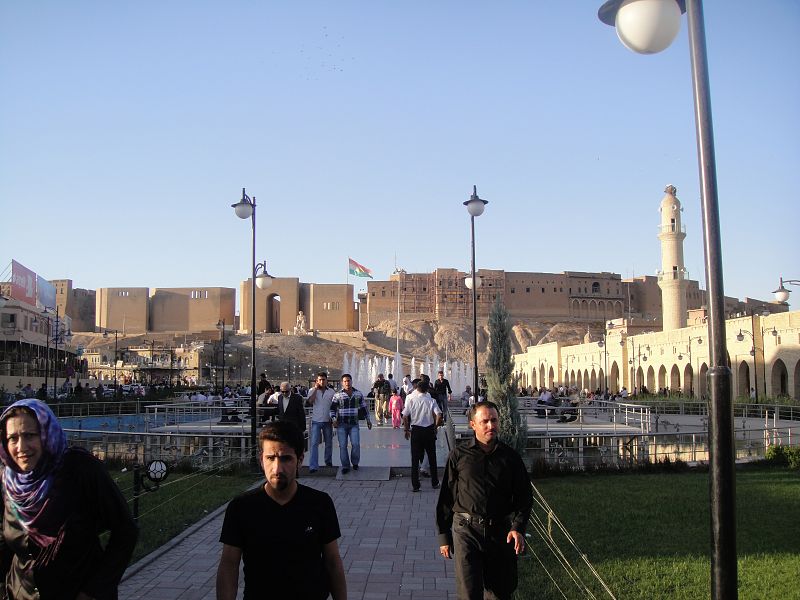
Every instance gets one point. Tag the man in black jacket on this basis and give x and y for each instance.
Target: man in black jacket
(483, 508)
(290, 406)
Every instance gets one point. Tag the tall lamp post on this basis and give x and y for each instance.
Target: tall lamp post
(60, 336)
(116, 334)
(221, 327)
(475, 205)
(699, 341)
(399, 273)
(604, 345)
(246, 209)
(647, 27)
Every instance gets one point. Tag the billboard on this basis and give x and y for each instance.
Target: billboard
(28, 287)
(23, 284)
(45, 293)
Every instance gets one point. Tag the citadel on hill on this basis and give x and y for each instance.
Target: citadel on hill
(657, 305)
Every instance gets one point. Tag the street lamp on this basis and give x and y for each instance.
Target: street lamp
(399, 272)
(221, 327)
(699, 340)
(740, 338)
(648, 26)
(246, 208)
(116, 334)
(60, 336)
(604, 345)
(782, 294)
(475, 205)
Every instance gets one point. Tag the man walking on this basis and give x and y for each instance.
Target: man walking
(290, 406)
(284, 532)
(421, 416)
(319, 398)
(381, 389)
(442, 392)
(483, 509)
(344, 416)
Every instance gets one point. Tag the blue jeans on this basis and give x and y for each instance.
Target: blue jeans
(324, 430)
(343, 432)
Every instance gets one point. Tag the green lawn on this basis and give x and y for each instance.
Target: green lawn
(648, 535)
(183, 499)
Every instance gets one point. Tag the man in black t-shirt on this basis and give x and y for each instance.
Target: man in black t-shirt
(284, 532)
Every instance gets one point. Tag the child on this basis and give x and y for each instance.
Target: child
(396, 407)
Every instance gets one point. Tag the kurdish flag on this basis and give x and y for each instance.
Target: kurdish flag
(358, 270)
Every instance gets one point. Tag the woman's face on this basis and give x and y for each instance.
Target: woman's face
(23, 442)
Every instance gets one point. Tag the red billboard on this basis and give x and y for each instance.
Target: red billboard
(23, 284)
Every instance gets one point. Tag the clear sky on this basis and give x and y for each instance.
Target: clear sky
(127, 129)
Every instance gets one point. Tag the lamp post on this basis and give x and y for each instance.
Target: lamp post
(782, 294)
(105, 335)
(246, 208)
(221, 327)
(475, 205)
(399, 273)
(604, 345)
(699, 340)
(60, 335)
(648, 27)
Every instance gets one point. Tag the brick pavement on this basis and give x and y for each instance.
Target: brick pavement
(388, 547)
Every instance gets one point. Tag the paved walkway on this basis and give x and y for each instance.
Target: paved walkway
(388, 542)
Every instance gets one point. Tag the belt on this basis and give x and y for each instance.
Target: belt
(479, 520)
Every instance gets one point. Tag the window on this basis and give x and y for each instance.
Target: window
(595, 288)
(513, 291)
(527, 290)
(330, 306)
(383, 293)
(543, 290)
(122, 294)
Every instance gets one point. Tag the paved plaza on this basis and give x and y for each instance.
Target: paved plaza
(388, 542)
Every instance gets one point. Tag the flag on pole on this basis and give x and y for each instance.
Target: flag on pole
(358, 270)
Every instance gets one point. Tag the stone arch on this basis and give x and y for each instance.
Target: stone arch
(743, 380)
(779, 379)
(688, 381)
(551, 376)
(702, 383)
(593, 309)
(273, 314)
(662, 377)
(675, 378)
(592, 380)
(797, 380)
(584, 309)
(601, 380)
(639, 380)
(613, 378)
(651, 378)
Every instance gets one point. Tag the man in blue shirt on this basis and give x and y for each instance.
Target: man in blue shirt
(344, 417)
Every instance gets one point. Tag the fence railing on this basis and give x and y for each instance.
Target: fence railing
(582, 451)
(196, 449)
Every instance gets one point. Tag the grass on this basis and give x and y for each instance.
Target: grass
(648, 535)
(183, 499)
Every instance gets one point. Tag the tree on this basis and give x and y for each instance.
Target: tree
(500, 379)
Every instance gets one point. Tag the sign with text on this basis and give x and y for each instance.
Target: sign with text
(23, 284)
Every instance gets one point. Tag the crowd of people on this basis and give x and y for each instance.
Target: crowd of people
(58, 501)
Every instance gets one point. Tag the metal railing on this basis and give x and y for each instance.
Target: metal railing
(625, 450)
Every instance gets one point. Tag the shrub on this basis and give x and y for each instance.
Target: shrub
(776, 455)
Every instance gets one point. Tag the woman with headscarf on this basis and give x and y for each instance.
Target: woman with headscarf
(57, 501)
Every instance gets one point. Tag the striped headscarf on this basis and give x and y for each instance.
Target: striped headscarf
(27, 492)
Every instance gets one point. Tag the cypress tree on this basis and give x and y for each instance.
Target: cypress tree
(500, 379)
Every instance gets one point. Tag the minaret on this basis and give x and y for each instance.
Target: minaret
(672, 276)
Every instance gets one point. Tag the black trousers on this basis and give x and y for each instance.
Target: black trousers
(486, 565)
(423, 440)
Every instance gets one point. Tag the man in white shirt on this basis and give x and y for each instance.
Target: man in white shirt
(421, 415)
(319, 397)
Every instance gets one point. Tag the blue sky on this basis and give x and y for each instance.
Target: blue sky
(127, 129)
